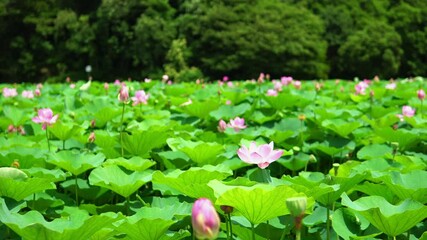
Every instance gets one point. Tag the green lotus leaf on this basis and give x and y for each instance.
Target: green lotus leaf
(341, 127)
(76, 162)
(192, 182)
(16, 115)
(172, 159)
(105, 115)
(64, 131)
(150, 229)
(409, 185)
(22, 187)
(74, 224)
(390, 219)
(236, 95)
(12, 173)
(120, 181)
(199, 152)
(374, 151)
(133, 164)
(296, 162)
(404, 137)
(200, 109)
(108, 142)
(230, 111)
(252, 201)
(348, 225)
(54, 175)
(139, 143)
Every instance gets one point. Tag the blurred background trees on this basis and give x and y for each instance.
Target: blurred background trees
(190, 39)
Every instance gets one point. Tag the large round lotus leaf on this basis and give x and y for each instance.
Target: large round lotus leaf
(14, 173)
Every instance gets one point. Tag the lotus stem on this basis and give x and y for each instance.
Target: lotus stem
(266, 175)
(121, 129)
(231, 225)
(47, 137)
(227, 227)
(328, 224)
(253, 231)
(127, 206)
(76, 188)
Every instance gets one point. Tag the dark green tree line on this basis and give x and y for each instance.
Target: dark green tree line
(188, 39)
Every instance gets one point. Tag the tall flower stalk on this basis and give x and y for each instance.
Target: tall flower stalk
(124, 98)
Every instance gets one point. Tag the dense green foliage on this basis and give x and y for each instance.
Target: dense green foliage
(187, 39)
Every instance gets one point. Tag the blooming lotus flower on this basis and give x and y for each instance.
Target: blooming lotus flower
(124, 94)
(391, 86)
(271, 92)
(9, 92)
(261, 155)
(361, 88)
(117, 82)
(297, 84)
(27, 94)
(237, 123)
(286, 80)
(222, 125)
(140, 97)
(45, 116)
(407, 111)
(421, 94)
(205, 219)
(228, 102)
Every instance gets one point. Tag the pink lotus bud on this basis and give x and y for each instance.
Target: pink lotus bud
(91, 137)
(205, 219)
(106, 86)
(39, 86)
(117, 82)
(222, 126)
(124, 94)
(421, 94)
(68, 79)
(11, 129)
(297, 84)
(225, 78)
(286, 80)
(93, 123)
(37, 92)
(228, 102)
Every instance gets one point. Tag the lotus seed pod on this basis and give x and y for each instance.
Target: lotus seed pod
(296, 205)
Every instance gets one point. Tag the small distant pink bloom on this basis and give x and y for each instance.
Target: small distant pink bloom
(165, 78)
(106, 86)
(391, 86)
(225, 78)
(230, 84)
(198, 81)
(361, 88)
(367, 81)
(271, 92)
(117, 82)
(147, 80)
(45, 116)
(169, 82)
(72, 85)
(39, 86)
(228, 102)
(124, 94)
(277, 86)
(261, 77)
(140, 97)
(9, 92)
(286, 80)
(261, 155)
(421, 94)
(91, 137)
(237, 124)
(297, 84)
(37, 92)
(407, 111)
(222, 126)
(27, 94)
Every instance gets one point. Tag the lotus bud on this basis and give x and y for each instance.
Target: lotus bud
(296, 205)
(124, 94)
(336, 166)
(421, 94)
(15, 164)
(301, 117)
(227, 209)
(205, 219)
(312, 159)
(91, 137)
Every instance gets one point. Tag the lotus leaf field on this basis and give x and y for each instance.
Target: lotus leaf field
(127, 160)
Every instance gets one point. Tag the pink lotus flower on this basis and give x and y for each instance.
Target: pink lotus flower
(225, 78)
(124, 94)
(407, 111)
(37, 92)
(222, 125)
(271, 92)
(361, 88)
(286, 80)
(391, 86)
(9, 92)
(261, 155)
(228, 102)
(140, 97)
(205, 219)
(27, 94)
(72, 85)
(117, 82)
(421, 94)
(297, 84)
(45, 116)
(237, 123)
(39, 86)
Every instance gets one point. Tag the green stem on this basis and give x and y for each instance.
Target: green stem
(127, 206)
(76, 188)
(421, 109)
(47, 137)
(253, 231)
(227, 227)
(328, 224)
(266, 175)
(231, 225)
(298, 234)
(121, 129)
(34, 200)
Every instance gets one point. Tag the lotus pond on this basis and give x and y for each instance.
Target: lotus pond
(92, 160)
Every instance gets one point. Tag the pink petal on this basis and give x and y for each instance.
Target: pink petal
(263, 165)
(265, 150)
(243, 154)
(276, 154)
